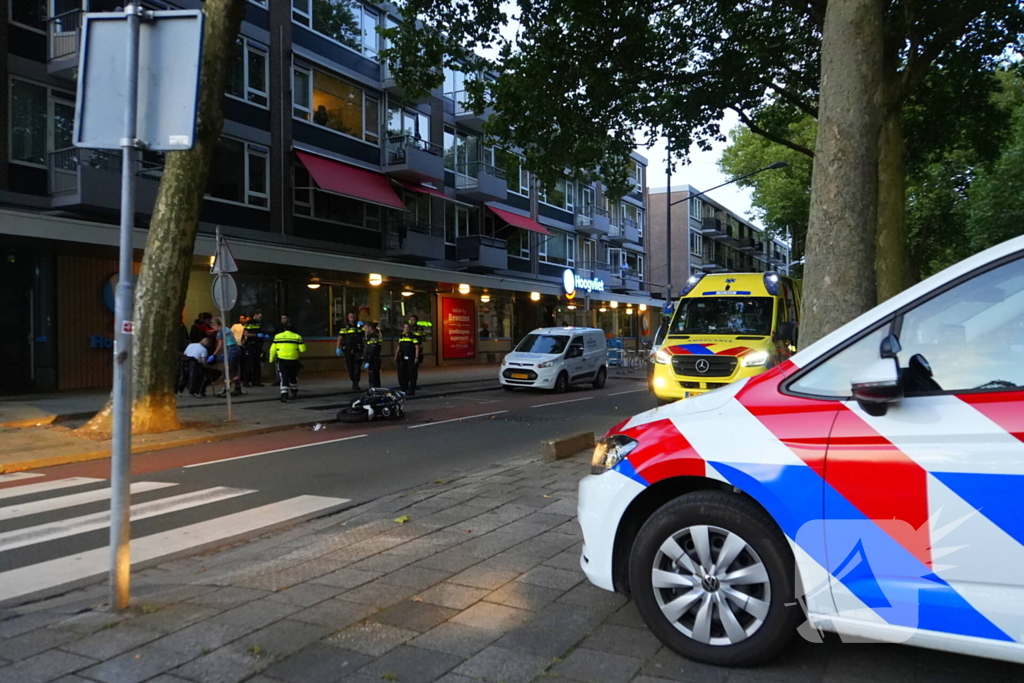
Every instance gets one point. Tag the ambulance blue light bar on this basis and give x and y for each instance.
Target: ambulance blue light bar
(771, 283)
(691, 283)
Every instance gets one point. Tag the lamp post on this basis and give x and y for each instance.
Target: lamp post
(777, 164)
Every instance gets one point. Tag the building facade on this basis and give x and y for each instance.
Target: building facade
(336, 191)
(706, 238)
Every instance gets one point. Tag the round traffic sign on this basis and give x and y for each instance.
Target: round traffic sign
(225, 291)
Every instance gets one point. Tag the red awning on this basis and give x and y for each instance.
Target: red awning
(524, 222)
(424, 189)
(350, 181)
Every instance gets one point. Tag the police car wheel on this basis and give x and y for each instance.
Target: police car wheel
(712, 575)
(602, 377)
(562, 383)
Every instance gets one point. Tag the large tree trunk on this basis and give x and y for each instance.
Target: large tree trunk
(840, 251)
(163, 280)
(891, 259)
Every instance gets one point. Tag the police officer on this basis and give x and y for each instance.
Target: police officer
(407, 358)
(371, 353)
(252, 340)
(350, 344)
(419, 330)
(287, 347)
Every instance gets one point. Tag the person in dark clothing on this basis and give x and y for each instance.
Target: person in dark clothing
(419, 330)
(350, 345)
(371, 354)
(407, 358)
(201, 328)
(281, 326)
(252, 339)
(485, 331)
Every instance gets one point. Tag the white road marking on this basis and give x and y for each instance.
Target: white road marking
(279, 450)
(631, 391)
(29, 489)
(17, 475)
(48, 504)
(558, 403)
(456, 419)
(95, 563)
(79, 525)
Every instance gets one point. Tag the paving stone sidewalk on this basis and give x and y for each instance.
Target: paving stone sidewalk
(471, 580)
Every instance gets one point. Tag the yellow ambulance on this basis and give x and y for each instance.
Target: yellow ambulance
(725, 327)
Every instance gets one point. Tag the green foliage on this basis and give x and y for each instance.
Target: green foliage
(996, 210)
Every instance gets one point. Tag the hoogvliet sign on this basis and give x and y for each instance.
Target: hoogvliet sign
(458, 336)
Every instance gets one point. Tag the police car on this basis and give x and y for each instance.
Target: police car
(871, 485)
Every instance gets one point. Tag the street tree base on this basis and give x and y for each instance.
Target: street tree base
(150, 415)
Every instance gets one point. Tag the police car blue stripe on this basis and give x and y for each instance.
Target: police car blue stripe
(625, 468)
(885, 576)
(996, 496)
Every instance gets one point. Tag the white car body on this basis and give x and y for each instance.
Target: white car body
(541, 370)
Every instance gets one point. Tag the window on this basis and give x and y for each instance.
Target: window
(456, 222)
(751, 315)
(543, 343)
(346, 21)
(311, 201)
(696, 244)
(239, 173)
(449, 148)
(636, 173)
(695, 208)
(518, 243)
(558, 247)
(248, 80)
(614, 213)
(42, 121)
(454, 84)
(336, 104)
(30, 13)
(832, 378)
(496, 317)
(559, 195)
(589, 253)
(408, 122)
(586, 200)
(634, 261)
(615, 259)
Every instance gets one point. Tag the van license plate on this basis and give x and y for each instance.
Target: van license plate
(517, 375)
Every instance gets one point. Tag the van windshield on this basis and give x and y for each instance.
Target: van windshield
(543, 343)
(724, 315)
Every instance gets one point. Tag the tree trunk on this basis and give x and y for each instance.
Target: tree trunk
(840, 250)
(891, 260)
(163, 280)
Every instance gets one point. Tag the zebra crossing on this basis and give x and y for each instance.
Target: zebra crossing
(48, 539)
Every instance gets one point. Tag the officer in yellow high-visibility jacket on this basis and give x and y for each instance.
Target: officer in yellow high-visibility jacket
(285, 351)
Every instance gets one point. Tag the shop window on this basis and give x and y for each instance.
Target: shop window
(496, 317)
(239, 173)
(349, 23)
(335, 104)
(404, 306)
(257, 294)
(249, 77)
(309, 310)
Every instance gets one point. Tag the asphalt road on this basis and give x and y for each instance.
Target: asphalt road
(58, 514)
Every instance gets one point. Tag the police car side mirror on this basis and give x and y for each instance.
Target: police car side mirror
(878, 386)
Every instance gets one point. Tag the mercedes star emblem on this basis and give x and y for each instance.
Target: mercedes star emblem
(702, 366)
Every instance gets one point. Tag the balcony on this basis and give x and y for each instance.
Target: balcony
(458, 104)
(627, 231)
(748, 246)
(413, 159)
(627, 280)
(64, 35)
(592, 220)
(480, 182)
(412, 242)
(776, 258)
(726, 235)
(82, 177)
(712, 227)
(481, 253)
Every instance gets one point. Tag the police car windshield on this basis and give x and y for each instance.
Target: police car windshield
(724, 315)
(543, 343)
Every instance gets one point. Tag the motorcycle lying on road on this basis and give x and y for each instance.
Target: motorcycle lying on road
(377, 403)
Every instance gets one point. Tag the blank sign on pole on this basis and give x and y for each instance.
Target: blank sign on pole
(170, 50)
(225, 292)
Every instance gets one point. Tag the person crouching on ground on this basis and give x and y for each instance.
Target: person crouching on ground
(285, 350)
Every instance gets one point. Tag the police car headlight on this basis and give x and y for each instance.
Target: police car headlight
(610, 452)
(546, 364)
(504, 362)
(754, 359)
(663, 357)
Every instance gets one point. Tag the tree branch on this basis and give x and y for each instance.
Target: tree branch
(795, 100)
(778, 139)
(919, 63)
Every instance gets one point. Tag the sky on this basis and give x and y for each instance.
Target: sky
(702, 171)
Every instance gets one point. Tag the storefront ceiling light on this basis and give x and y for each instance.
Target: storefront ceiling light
(615, 304)
(485, 298)
(629, 311)
(376, 279)
(407, 293)
(571, 307)
(643, 307)
(534, 296)
(603, 310)
(464, 289)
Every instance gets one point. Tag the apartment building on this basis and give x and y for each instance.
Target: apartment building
(337, 192)
(707, 238)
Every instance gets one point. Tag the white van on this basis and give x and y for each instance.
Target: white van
(555, 357)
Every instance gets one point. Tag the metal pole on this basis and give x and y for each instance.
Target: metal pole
(668, 223)
(225, 330)
(121, 443)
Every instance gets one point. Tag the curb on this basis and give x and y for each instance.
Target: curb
(566, 446)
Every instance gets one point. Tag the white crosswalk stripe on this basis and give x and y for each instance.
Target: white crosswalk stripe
(13, 476)
(52, 575)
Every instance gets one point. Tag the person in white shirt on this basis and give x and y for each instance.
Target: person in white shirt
(197, 351)
(196, 371)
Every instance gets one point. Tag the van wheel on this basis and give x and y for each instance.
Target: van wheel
(562, 383)
(712, 575)
(602, 377)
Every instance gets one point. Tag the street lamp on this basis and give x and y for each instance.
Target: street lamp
(770, 167)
